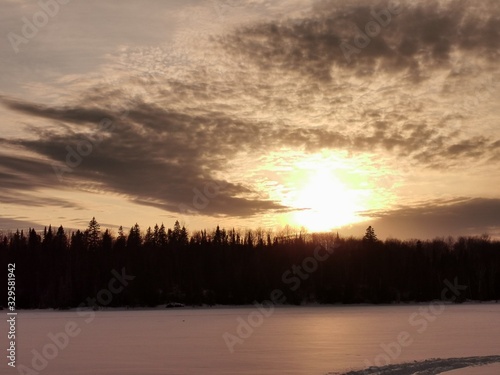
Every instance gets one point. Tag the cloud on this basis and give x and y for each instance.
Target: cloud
(457, 217)
(414, 36)
(31, 199)
(154, 156)
(24, 172)
(8, 224)
(74, 115)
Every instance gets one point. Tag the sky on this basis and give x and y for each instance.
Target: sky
(326, 115)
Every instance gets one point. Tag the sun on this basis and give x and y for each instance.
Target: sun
(324, 202)
(321, 191)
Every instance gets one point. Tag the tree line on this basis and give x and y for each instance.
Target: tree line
(56, 269)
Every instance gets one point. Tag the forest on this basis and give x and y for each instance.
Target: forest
(172, 267)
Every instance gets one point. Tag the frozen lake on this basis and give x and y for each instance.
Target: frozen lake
(292, 340)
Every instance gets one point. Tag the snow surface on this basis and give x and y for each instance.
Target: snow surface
(433, 367)
(483, 370)
(315, 340)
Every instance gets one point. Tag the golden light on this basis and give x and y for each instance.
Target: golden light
(321, 191)
(325, 203)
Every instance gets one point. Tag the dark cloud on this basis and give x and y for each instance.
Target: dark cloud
(155, 156)
(19, 172)
(459, 217)
(74, 115)
(416, 37)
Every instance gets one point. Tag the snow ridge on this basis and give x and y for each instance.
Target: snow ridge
(433, 366)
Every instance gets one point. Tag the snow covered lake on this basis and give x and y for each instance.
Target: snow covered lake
(315, 340)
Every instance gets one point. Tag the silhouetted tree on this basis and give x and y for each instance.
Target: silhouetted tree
(134, 240)
(149, 238)
(107, 241)
(162, 238)
(93, 234)
(121, 240)
(47, 237)
(60, 240)
(370, 236)
(34, 240)
(178, 235)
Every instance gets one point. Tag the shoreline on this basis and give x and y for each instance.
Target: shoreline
(488, 369)
(164, 307)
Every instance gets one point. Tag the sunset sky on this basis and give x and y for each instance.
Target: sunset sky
(252, 113)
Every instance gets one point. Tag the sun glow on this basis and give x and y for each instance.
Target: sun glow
(320, 191)
(324, 202)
